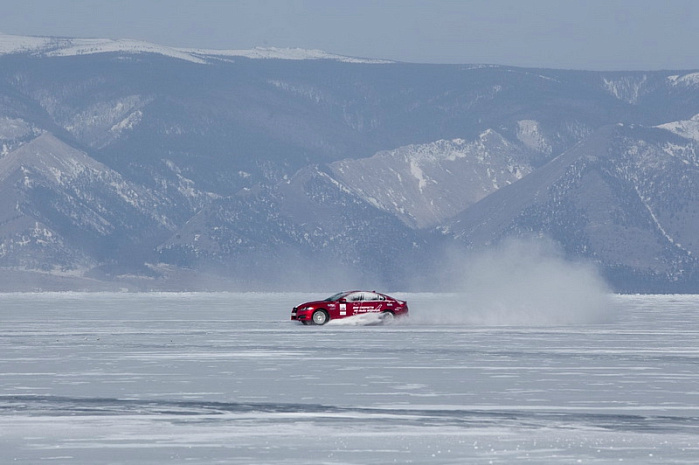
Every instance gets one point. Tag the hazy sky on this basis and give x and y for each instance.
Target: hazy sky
(579, 34)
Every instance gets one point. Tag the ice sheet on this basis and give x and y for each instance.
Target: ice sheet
(227, 378)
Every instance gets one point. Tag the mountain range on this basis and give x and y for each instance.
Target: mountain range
(130, 165)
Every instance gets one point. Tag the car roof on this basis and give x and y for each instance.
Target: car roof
(364, 290)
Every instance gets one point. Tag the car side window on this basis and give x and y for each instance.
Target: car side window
(356, 297)
(373, 296)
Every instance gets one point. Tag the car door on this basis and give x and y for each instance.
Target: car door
(373, 302)
(354, 303)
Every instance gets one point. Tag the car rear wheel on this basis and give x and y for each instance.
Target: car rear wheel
(320, 317)
(387, 317)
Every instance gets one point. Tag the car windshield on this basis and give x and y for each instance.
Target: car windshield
(334, 297)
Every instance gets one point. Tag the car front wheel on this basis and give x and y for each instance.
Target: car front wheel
(320, 317)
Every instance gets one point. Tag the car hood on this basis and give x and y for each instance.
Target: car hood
(314, 303)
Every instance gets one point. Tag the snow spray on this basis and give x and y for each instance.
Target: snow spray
(524, 282)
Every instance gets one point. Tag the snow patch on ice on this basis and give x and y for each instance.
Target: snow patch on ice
(367, 319)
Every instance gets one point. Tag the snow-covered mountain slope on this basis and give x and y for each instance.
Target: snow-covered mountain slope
(628, 196)
(687, 80)
(626, 88)
(425, 184)
(281, 54)
(65, 47)
(688, 128)
(14, 132)
(104, 122)
(74, 202)
(141, 160)
(23, 44)
(309, 230)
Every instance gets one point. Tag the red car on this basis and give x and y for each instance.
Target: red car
(349, 303)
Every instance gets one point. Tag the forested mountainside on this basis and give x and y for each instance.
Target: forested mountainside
(130, 165)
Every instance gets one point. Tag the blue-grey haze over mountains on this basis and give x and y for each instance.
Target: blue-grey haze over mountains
(573, 34)
(128, 164)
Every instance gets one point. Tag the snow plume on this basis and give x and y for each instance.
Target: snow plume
(519, 282)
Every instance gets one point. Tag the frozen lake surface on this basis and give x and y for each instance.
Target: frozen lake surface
(226, 378)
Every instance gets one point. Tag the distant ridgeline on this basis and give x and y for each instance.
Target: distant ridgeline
(129, 165)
